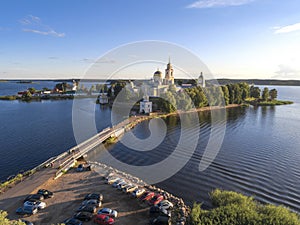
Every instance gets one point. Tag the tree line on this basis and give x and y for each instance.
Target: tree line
(237, 93)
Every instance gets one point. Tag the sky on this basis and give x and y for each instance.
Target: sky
(239, 39)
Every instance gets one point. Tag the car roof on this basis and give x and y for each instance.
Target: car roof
(106, 209)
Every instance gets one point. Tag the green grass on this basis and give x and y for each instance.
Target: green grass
(260, 102)
(232, 208)
(274, 102)
(111, 140)
(8, 97)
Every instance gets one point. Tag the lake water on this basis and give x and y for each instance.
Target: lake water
(259, 156)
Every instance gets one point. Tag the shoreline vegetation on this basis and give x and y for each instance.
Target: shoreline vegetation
(172, 99)
(233, 208)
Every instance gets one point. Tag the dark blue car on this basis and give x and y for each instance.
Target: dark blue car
(27, 210)
(72, 221)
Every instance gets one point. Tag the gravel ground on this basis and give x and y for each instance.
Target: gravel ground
(69, 191)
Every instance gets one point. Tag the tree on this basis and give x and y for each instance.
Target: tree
(168, 102)
(118, 87)
(226, 94)
(231, 93)
(27, 95)
(245, 90)
(31, 90)
(172, 88)
(98, 87)
(183, 101)
(62, 86)
(265, 94)
(5, 221)
(273, 94)
(105, 88)
(255, 92)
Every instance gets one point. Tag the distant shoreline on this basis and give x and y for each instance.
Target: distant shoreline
(221, 81)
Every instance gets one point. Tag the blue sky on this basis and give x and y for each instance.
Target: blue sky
(234, 38)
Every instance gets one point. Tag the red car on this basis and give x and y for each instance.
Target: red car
(147, 196)
(156, 199)
(104, 219)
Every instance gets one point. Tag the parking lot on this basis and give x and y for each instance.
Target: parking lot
(69, 191)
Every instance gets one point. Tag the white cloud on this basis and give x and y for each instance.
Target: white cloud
(34, 24)
(287, 29)
(49, 32)
(102, 60)
(287, 72)
(218, 3)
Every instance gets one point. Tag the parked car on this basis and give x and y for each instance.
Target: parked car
(130, 188)
(72, 221)
(33, 197)
(26, 210)
(165, 204)
(93, 202)
(98, 197)
(37, 204)
(104, 219)
(126, 186)
(138, 192)
(80, 168)
(111, 180)
(26, 222)
(83, 216)
(147, 196)
(156, 199)
(108, 211)
(108, 176)
(161, 220)
(87, 208)
(45, 193)
(122, 185)
(156, 211)
(117, 182)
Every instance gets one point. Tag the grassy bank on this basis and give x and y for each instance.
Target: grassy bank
(274, 102)
(232, 208)
(260, 102)
(8, 97)
(15, 180)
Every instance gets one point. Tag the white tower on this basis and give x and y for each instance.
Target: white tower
(169, 78)
(201, 80)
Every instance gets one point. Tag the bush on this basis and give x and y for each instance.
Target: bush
(231, 208)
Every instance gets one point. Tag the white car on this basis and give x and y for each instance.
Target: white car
(37, 204)
(111, 180)
(108, 211)
(130, 188)
(138, 192)
(117, 182)
(165, 204)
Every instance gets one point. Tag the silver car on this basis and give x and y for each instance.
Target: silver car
(117, 182)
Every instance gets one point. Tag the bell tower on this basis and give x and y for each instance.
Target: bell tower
(169, 78)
